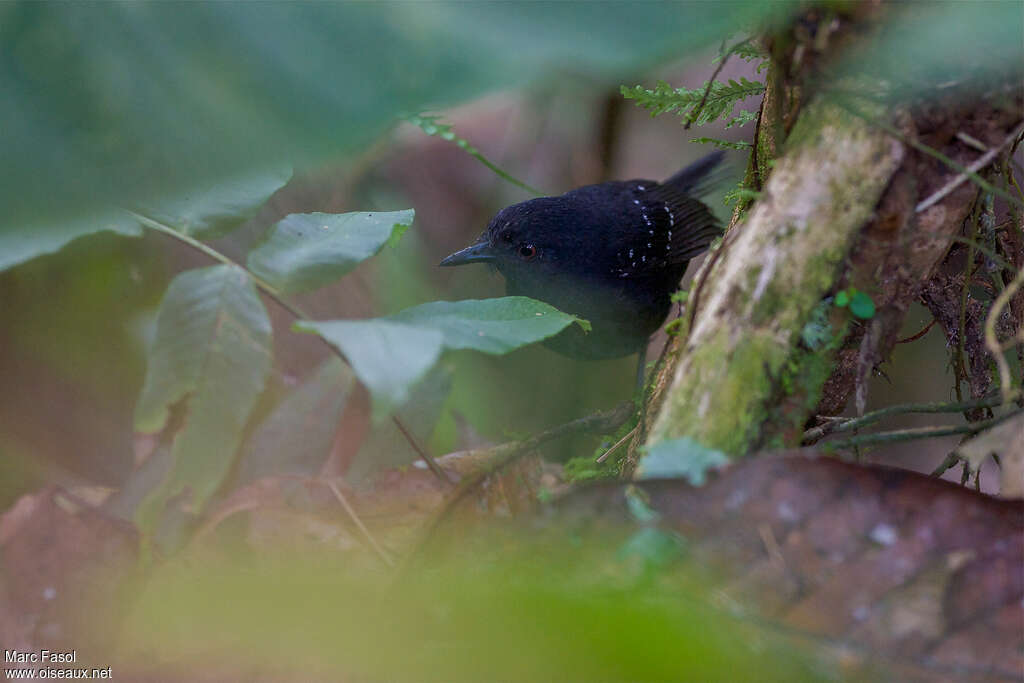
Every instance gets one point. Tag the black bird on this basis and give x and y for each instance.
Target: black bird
(611, 253)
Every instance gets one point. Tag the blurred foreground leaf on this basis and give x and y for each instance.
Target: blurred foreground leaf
(680, 458)
(525, 617)
(130, 103)
(309, 250)
(207, 212)
(213, 351)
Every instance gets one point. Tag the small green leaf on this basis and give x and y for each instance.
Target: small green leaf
(682, 457)
(680, 296)
(309, 250)
(862, 306)
(743, 118)
(396, 234)
(212, 349)
(493, 326)
(212, 211)
(387, 357)
(842, 298)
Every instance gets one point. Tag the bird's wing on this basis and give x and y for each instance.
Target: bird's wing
(666, 228)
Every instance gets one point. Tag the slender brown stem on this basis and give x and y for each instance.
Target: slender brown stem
(384, 556)
(919, 433)
(427, 458)
(846, 425)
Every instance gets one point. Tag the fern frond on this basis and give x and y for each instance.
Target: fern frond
(432, 125)
(749, 51)
(743, 118)
(723, 144)
(722, 96)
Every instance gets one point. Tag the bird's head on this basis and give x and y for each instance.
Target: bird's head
(520, 239)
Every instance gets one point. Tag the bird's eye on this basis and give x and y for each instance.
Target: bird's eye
(527, 251)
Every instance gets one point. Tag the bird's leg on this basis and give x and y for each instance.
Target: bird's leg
(641, 363)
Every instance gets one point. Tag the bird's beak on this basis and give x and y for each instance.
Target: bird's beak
(475, 253)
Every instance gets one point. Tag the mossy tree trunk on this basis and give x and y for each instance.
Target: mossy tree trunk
(761, 349)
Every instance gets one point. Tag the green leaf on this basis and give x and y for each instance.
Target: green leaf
(390, 354)
(862, 306)
(108, 103)
(24, 242)
(213, 210)
(387, 357)
(743, 118)
(692, 105)
(431, 124)
(309, 250)
(296, 437)
(682, 457)
(493, 326)
(212, 351)
(842, 298)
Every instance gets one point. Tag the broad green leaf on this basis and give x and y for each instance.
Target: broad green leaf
(387, 357)
(490, 325)
(680, 458)
(309, 250)
(128, 103)
(20, 243)
(389, 354)
(214, 210)
(212, 351)
(386, 446)
(296, 437)
(842, 298)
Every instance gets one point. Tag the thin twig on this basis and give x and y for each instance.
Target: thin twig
(438, 471)
(951, 460)
(919, 433)
(812, 435)
(981, 162)
(992, 341)
(604, 456)
(696, 111)
(971, 141)
(297, 312)
(992, 255)
(915, 337)
(265, 286)
(359, 523)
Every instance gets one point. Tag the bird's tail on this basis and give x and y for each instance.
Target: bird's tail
(702, 177)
